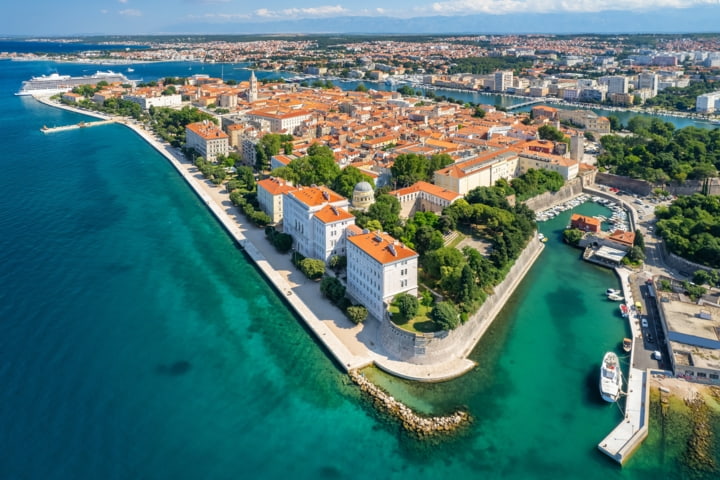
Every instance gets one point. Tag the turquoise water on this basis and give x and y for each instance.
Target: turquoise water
(138, 342)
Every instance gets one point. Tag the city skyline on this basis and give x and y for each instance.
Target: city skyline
(131, 17)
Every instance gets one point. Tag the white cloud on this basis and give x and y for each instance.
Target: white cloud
(323, 11)
(221, 16)
(103, 11)
(123, 1)
(131, 12)
(499, 7)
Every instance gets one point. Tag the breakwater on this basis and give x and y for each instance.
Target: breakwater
(423, 427)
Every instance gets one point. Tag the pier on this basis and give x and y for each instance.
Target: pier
(77, 125)
(624, 439)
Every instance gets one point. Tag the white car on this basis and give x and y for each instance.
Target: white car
(657, 355)
(644, 322)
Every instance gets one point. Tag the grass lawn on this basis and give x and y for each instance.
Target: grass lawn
(420, 323)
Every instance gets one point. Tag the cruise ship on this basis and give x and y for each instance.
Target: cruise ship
(610, 378)
(54, 83)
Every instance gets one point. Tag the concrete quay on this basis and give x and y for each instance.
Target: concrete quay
(624, 439)
(76, 126)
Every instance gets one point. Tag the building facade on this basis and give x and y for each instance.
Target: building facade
(378, 269)
(207, 139)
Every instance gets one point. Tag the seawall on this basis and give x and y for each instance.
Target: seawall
(426, 349)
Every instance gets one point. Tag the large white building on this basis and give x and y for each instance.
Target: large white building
(503, 80)
(317, 218)
(207, 139)
(147, 100)
(708, 102)
(423, 197)
(280, 121)
(270, 193)
(378, 268)
(481, 171)
(616, 84)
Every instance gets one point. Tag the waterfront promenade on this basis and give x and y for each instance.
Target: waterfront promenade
(352, 346)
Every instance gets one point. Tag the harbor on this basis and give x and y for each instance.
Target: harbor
(65, 128)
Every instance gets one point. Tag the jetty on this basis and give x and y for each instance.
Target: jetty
(624, 439)
(64, 128)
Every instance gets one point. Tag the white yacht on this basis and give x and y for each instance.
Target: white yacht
(610, 378)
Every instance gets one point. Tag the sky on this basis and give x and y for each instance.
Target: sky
(68, 17)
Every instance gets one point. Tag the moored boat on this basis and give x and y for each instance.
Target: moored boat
(615, 297)
(610, 377)
(627, 344)
(612, 291)
(624, 310)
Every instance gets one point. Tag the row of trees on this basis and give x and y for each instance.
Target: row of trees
(658, 153)
(690, 227)
(170, 123)
(409, 168)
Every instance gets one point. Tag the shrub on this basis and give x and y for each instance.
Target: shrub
(333, 289)
(313, 268)
(356, 314)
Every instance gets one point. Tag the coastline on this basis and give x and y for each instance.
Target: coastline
(352, 346)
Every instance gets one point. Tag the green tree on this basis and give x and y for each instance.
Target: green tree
(357, 313)
(636, 255)
(361, 88)
(548, 132)
(572, 236)
(345, 182)
(332, 288)
(445, 316)
(313, 268)
(407, 305)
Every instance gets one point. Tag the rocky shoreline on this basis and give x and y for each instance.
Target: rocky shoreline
(422, 427)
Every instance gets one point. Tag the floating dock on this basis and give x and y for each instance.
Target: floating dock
(77, 125)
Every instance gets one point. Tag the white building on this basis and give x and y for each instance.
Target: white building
(708, 102)
(207, 139)
(648, 80)
(146, 101)
(316, 218)
(503, 80)
(270, 193)
(616, 84)
(280, 120)
(423, 197)
(481, 171)
(378, 268)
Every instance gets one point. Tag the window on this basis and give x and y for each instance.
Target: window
(702, 375)
(713, 376)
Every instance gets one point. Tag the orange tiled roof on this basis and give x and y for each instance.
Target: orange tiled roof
(275, 186)
(330, 214)
(314, 196)
(621, 236)
(382, 247)
(208, 131)
(428, 188)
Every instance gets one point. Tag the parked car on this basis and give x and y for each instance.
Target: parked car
(657, 355)
(644, 322)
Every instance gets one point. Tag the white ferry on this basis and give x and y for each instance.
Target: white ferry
(610, 378)
(54, 83)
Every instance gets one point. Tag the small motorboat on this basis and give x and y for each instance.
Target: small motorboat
(615, 297)
(612, 291)
(627, 344)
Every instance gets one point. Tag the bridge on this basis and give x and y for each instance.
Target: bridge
(63, 128)
(532, 102)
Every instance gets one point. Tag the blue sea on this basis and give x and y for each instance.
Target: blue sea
(138, 342)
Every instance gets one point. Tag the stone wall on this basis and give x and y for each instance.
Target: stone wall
(641, 187)
(632, 185)
(682, 265)
(426, 349)
(572, 188)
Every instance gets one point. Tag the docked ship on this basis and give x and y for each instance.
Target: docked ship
(54, 83)
(610, 378)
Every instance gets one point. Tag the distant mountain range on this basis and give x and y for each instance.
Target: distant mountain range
(703, 19)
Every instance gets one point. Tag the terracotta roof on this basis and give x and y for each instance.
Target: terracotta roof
(621, 236)
(275, 186)
(207, 130)
(330, 214)
(382, 247)
(314, 196)
(429, 188)
(576, 217)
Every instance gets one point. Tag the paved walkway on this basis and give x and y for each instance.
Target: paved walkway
(630, 433)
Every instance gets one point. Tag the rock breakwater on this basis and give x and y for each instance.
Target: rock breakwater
(422, 427)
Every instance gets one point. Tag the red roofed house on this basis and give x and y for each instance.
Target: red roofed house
(207, 139)
(586, 224)
(270, 193)
(317, 218)
(625, 239)
(423, 197)
(378, 268)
